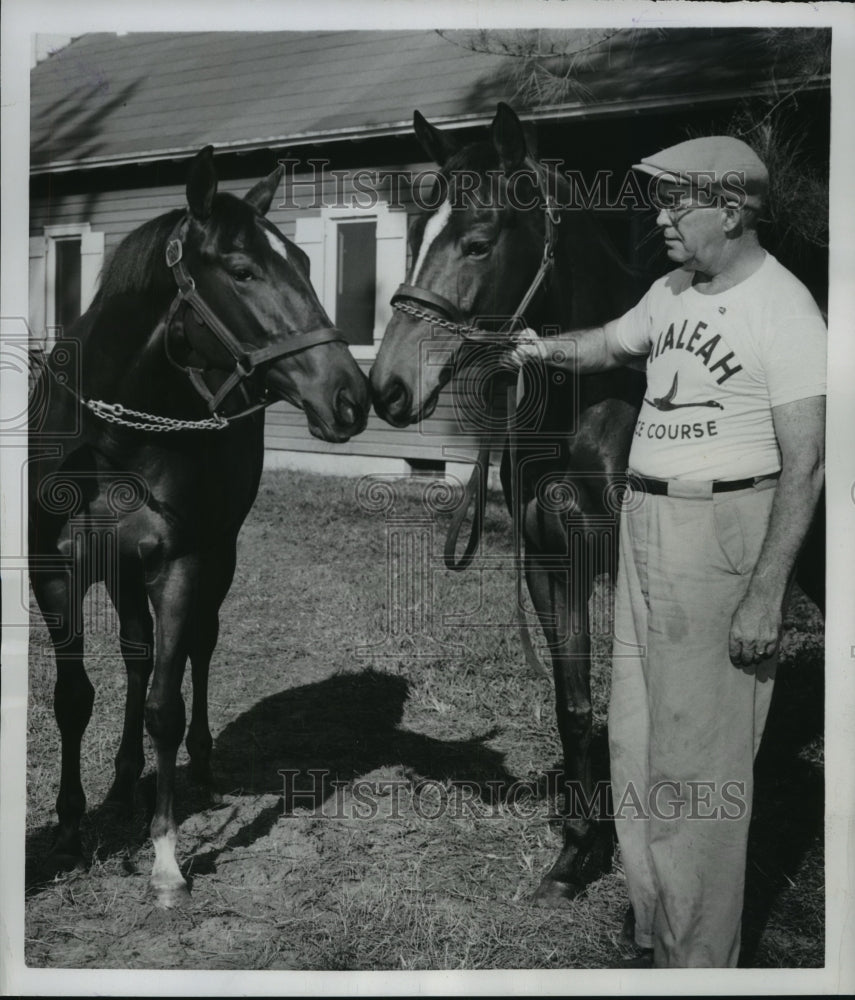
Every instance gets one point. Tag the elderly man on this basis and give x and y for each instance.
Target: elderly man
(725, 470)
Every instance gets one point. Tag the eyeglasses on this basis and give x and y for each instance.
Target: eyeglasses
(678, 203)
(678, 214)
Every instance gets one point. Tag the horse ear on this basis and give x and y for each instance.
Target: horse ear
(509, 138)
(437, 144)
(202, 183)
(261, 195)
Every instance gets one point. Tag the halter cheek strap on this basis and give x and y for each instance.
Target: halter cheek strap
(244, 361)
(450, 317)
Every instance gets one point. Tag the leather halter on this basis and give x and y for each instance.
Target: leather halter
(450, 315)
(451, 318)
(245, 361)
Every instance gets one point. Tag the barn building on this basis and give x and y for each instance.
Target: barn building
(114, 119)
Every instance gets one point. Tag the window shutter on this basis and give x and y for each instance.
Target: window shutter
(309, 237)
(391, 264)
(91, 259)
(38, 289)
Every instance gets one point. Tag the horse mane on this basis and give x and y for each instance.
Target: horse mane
(138, 265)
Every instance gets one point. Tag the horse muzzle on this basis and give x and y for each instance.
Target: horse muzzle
(395, 404)
(349, 412)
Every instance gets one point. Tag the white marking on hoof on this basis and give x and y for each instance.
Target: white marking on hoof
(171, 897)
(167, 882)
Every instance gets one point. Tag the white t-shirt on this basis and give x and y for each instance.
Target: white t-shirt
(716, 365)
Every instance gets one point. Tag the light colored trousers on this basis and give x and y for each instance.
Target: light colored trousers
(684, 722)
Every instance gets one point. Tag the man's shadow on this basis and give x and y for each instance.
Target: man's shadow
(788, 814)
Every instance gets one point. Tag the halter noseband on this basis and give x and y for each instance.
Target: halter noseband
(450, 316)
(245, 361)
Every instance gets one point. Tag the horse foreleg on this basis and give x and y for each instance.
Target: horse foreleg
(199, 741)
(136, 638)
(61, 605)
(562, 605)
(172, 592)
(218, 571)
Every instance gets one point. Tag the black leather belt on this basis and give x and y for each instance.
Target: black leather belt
(688, 489)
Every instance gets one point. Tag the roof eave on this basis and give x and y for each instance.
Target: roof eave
(391, 129)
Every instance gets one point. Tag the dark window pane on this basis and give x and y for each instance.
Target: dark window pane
(356, 278)
(67, 285)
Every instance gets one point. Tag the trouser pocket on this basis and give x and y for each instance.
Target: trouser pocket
(730, 535)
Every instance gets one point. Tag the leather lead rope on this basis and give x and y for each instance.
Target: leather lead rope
(515, 392)
(475, 491)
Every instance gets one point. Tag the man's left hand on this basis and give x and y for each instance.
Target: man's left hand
(756, 629)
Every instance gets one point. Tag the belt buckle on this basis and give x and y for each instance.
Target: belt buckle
(688, 490)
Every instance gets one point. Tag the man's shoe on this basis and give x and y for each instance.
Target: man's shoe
(643, 960)
(627, 931)
(643, 957)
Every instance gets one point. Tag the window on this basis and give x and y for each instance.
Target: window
(66, 287)
(356, 279)
(65, 262)
(358, 258)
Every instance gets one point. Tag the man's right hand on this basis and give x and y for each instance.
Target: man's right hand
(583, 351)
(527, 347)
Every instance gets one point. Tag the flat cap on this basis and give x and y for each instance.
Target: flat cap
(718, 163)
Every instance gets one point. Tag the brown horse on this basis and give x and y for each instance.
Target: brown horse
(500, 245)
(146, 453)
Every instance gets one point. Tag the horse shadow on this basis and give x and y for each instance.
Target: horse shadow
(322, 734)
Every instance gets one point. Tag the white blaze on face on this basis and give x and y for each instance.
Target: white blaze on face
(276, 244)
(435, 225)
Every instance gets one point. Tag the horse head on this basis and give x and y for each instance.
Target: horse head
(255, 284)
(474, 256)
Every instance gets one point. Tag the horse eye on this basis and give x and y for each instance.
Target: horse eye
(478, 249)
(242, 274)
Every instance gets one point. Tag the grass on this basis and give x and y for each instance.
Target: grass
(311, 674)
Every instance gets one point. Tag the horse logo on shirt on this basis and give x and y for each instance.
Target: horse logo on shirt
(666, 402)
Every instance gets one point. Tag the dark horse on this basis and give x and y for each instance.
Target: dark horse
(146, 455)
(485, 258)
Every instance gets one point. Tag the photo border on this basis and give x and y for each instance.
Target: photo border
(19, 20)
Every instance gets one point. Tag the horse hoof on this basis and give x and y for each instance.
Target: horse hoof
(554, 894)
(201, 773)
(203, 778)
(119, 803)
(66, 854)
(63, 862)
(170, 897)
(210, 797)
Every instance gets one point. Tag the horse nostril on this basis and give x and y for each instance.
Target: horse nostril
(392, 400)
(395, 395)
(348, 412)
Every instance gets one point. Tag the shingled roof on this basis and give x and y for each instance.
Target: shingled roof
(106, 99)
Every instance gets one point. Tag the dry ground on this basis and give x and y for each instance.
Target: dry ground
(397, 866)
